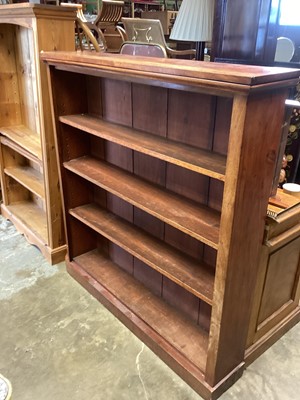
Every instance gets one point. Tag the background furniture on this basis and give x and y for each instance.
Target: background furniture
(28, 163)
(248, 33)
(166, 199)
(143, 49)
(194, 23)
(166, 18)
(150, 31)
(84, 37)
(106, 24)
(277, 292)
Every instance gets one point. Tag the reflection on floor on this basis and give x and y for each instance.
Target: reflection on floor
(57, 342)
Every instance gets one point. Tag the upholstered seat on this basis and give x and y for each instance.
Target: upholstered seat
(143, 49)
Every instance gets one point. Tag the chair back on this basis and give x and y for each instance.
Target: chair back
(144, 30)
(143, 49)
(110, 13)
(84, 38)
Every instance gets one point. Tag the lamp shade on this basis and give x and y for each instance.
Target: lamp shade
(194, 21)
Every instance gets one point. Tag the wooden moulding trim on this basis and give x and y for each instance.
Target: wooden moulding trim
(284, 238)
(234, 78)
(173, 81)
(284, 308)
(58, 254)
(153, 81)
(227, 381)
(266, 341)
(11, 13)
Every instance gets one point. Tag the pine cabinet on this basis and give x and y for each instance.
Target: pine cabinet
(166, 168)
(28, 163)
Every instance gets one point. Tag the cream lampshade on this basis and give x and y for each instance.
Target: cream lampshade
(194, 23)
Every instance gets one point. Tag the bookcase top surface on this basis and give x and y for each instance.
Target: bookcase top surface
(10, 12)
(231, 77)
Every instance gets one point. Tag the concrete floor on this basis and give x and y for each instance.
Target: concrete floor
(57, 342)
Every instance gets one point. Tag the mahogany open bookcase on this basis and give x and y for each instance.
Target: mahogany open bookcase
(166, 169)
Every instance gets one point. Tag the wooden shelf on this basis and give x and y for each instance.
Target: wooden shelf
(29, 178)
(201, 161)
(196, 277)
(138, 303)
(31, 216)
(198, 221)
(25, 138)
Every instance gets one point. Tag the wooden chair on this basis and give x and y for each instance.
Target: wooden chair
(106, 22)
(143, 49)
(151, 31)
(84, 38)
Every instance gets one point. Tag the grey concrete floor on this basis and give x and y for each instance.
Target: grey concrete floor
(57, 342)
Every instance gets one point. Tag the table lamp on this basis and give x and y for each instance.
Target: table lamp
(194, 23)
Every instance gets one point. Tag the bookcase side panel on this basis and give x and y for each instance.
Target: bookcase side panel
(254, 142)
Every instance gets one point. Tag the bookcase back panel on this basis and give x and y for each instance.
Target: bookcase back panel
(117, 101)
(187, 183)
(10, 107)
(149, 223)
(181, 299)
(70, 93)
(191, 118)
(149, 106)
(152, 279)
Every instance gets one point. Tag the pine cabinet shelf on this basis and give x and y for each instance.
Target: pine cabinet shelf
(31, 196)
(32, 217)
(167, 168)
(24, 138)
(29, 178)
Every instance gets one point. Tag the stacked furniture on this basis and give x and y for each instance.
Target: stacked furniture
(166, 168)
(28, 163)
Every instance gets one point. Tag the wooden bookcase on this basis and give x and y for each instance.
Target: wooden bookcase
(166, 169)
(28, 164)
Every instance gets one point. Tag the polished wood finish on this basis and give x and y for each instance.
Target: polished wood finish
(202, 161)
(142, 212)
(241, 30)
(277, 291)
(198, 221)
(246, 32)
(29, 172)
(194, 277)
